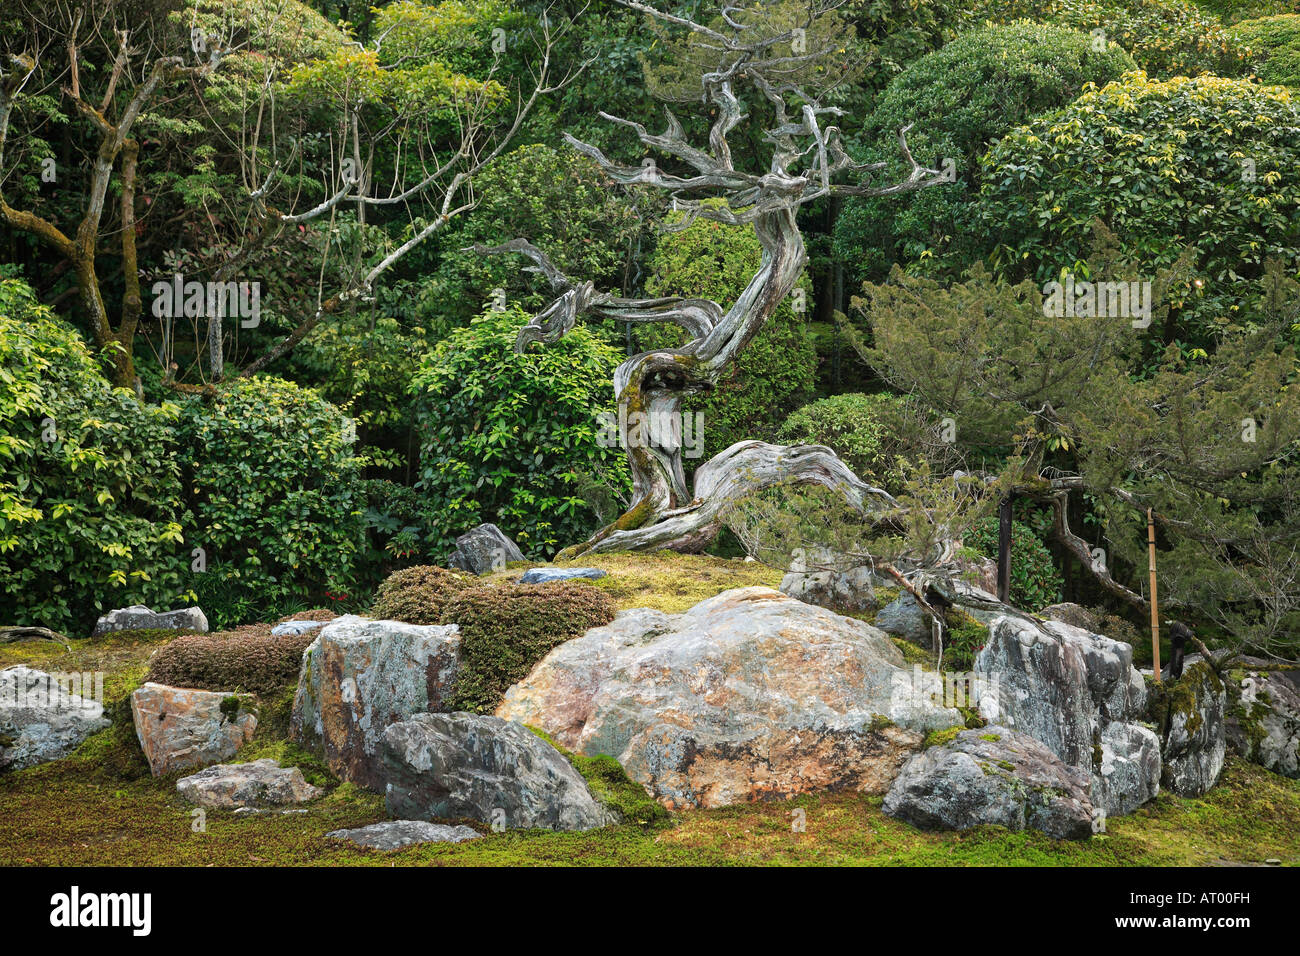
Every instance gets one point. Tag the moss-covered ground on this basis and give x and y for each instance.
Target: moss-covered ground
(100, 806)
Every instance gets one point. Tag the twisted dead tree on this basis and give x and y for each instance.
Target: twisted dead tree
(807, 156)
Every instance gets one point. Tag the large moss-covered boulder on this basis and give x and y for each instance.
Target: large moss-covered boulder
(1190, 713)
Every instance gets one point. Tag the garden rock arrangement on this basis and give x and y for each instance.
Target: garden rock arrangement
(358, 677)
(1191, 714)
(852, 590)
(449, 766)
(137, 617)
(397, 834)
(1263, 723)
(42, 720)
(993, 776)
(548, 575)
(750, 694)
(180, 728)
(262, 783)
(1067, 688)
(484, 549)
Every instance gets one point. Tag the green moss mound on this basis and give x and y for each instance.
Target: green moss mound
(247, 659)
(506, 630)
(419, 595)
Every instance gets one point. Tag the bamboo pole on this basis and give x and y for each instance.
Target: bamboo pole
(1155, 612)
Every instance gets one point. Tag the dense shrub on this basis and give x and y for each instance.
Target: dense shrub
(1166, 37)
(1275, 41)
(852, 426)
(419, 595)
(1235, 11)
(90, 514)
(247, 659)
(509, 438)
(274, 496)
(1209, 163)
(958, 100)
(775, 372)
(506, 630)
(1035, 580)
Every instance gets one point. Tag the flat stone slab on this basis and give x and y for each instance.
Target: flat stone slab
(261, 783)
(547, 575)
(296, 627)
(396, 834)
(137, 617)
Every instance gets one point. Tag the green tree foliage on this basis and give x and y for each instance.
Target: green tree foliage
(90, 514)
(856, 427)
(1035, 580)
(1235, 11)
(512, 438)
(1276, 44)
(958, 100)
(1167, 38)
(1209, 163)
(274, 496)
(774, 373)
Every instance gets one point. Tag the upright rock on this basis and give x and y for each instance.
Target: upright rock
(137, 617)
(749, 695)
(450, 766)
(1191, 715)
(1263, 723)
(358, 677)
(993, 776)
(484, 549)
(42, 717)
(179, 728)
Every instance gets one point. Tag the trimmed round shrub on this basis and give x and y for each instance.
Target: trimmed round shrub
(419, 594)
(1035, 580)
(90, 509)
(958, 100)
(513, 438)
(275, 498)
(852, 426)
(1275, 41)
(774, 372)
(1166, 37)
(1206, 163)
(247, 659)
(506, 630)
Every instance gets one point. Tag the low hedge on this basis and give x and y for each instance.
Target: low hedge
(247, 659)
(419, 594)
(506, 630)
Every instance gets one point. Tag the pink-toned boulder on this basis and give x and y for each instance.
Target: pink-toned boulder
(180, 728)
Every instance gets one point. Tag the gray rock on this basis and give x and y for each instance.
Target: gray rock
(138, 617)
(904, 618)
(484, 549)
(358, 677)
(262, 783)
(396, 834)
(851, 590)
(1129, 771)
(993, 776)
(449, 766)
(1071, 613)
(547, 575)
(749, 695)
(296, 628)
(1193, 730)
(42, 718)
(180, 728)
(1263, 723)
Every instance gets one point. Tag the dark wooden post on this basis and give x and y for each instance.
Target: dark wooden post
(1004, 550)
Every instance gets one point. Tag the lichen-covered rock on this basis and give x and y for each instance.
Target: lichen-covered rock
(296, 628)
(449, 766)
(749, 695)
(358, 677)
(904, 618)
(397, 834)
(1263, 722)
(851, 590)
(484, 549)
(1065, 687)
(1191, 712)
(262, 783)
(993, 776)
(1071, 613)
(548, 575)
(42, 718)
(138, 617)
(181, 728)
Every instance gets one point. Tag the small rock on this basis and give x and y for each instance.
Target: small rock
(904, 618)
(41, 718)
(547, 575)
(396, 834)
(851, 590)
(484, 549)
(179, 728)
(261, 783)
(295, 628)
(137, 617)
